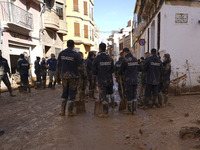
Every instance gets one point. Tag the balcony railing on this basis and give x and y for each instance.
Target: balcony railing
(14, 14)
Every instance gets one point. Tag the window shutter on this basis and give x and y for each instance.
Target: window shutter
(75, 5)
(86, 31)
(85, 8)
(76, 29)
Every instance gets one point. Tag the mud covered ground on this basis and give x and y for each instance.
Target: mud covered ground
(31, 121)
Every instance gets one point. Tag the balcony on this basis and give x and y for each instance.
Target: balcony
(15, 18)
(51, 19)
(62, 27)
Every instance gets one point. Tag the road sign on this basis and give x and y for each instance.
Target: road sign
(142, 42)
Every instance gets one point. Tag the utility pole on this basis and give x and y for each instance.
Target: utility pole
(1, 41)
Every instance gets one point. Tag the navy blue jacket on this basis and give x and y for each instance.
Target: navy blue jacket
(129, 67)
(4, 65)
(37, 67)
(118, 65)
(43, 65)
(52, 64)
(89, 68)
(103, 67)
(23, 66)
(166, 71)
(69, 64)
(152, 67)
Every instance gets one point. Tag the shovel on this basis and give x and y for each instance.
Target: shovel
(122, 104)
(98, 106)
(80, 104)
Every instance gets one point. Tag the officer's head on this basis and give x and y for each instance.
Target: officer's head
(153, 51)
(38, 58)
(22, 56)
(126, 51)
(167, 57)
(70, 44)
(121, 55)
(146, 55)
(102, 47)
(53, 56)
(91, 55)
(81, 54)
(43, 59)
(142, 58)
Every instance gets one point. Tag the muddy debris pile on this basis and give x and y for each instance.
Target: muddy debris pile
(189, 132)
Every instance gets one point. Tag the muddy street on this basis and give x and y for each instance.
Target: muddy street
(31, 121)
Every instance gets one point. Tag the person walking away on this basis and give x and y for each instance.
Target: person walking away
(44, 72)
(103, 68)
(52, 62)
(4, 71)
(118, 76)
(165, 80)
(69, 67)
(153, 68)
(130, 68)
(83, 81)
(90, 76)
(38, 72)
(23, 68)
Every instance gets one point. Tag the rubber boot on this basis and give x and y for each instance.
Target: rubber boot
(112, 100)
(90, 95)
(129, 103)
(154, 102)
(160, 99)
(134, 106)
(165, 99)
(63, 107)
(50, 85)
(1, 132)
(70, 108)
(54, 84)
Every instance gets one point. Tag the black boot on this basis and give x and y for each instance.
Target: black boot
(160, 99)
(50, 85)
(63, 108)
(70, 108)
(105, 108)
(1, 132)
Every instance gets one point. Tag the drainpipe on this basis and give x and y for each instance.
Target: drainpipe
(1, 41)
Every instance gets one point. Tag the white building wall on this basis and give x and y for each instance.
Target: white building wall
(182, 41)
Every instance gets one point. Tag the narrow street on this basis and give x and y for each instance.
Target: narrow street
(31, 121)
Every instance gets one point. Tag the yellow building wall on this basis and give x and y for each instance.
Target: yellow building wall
(84, 44)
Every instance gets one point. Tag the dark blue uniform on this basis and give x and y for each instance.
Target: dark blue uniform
(69, 66)
(103, 67)
(4, 69)
(118, 76)
(152, 67)
(23, 68)
(44, 71)
(130, 67)
(164, 81)
(90, 77)
(38, 73)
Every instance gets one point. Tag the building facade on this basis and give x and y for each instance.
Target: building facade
(171, 27)
(21, 26)
(80, 20)
(55, 26)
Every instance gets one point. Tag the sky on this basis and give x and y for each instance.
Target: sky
(112, 15)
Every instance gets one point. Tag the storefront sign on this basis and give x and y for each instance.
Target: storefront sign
(181, 18)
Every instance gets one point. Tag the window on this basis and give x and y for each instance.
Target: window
(75, 2)
(92, 13)
(86, 31)
(85, 8)
(59, 10)
(76, 29)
